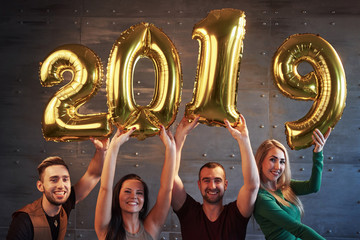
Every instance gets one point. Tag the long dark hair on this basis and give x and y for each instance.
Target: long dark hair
(116, 229)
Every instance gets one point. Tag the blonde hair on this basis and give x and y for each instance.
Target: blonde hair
(283, 183)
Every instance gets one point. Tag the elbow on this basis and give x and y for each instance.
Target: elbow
(316, 189)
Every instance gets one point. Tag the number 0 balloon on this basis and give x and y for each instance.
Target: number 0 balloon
(326, 85)
(144, 40)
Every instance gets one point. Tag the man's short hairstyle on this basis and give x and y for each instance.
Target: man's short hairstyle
(212, 165)
(50, 161)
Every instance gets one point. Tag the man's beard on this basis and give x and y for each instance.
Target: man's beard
(213, 200)
(52, 200)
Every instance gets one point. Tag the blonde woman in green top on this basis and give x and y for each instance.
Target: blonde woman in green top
(278, 209)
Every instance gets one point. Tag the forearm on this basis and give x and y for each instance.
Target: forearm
(313, 184)
(157, 216)
(96, 164)
(248, 164)
(103, 212)
(168, 170)
(104, 200)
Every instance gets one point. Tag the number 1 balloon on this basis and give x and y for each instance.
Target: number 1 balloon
(220, 36)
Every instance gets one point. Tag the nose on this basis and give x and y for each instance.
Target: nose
(60, 184)
(277, 165)
(133, 195)
(212, 184)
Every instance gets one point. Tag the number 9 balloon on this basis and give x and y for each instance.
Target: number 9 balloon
(326, 85)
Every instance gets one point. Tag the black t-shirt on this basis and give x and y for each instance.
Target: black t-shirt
(195, 225)
(21, 227)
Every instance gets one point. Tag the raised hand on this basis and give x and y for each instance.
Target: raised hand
(120, 137)
(320, 139)
(240, 131)
(167, 137)
(100, 144)
(183, 129)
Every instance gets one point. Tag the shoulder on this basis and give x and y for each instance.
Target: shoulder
(263, 195)
(20, 226)
(189, 206)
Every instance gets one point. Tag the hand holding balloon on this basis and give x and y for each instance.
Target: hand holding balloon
(239, 131)
(183, 129)
(320, 139)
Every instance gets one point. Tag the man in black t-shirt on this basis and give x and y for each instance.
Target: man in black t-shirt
(46, 218)
(212, 220)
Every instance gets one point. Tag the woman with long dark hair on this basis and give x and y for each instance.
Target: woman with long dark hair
(121, 213)
(278, 209)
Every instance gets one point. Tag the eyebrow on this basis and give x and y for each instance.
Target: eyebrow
(208, 178)
(277, 157)
(134, 189)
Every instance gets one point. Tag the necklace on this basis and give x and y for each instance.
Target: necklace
(56, 223)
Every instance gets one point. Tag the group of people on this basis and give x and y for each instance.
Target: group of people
(122, 212)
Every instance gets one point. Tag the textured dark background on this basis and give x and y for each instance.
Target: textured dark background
(29, 30)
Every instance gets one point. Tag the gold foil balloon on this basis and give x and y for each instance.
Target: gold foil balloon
(326, 85)
(220, 36)
(61, 120)
(143, 40)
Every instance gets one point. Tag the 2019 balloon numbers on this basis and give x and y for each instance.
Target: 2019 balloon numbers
(220, 36)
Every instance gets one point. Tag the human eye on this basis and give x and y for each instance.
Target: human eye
(139, 193)
(206, 180)
(282, 161)
(53, 179)
(218, 180)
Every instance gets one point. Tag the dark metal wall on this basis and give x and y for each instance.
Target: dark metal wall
(29, 30)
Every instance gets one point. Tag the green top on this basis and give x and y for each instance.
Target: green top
(281, 222)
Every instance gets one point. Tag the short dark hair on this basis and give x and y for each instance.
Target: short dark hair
(50, 161)
(212, 165)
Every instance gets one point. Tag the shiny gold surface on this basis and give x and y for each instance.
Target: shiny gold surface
(326, 85)
(61, 120)
(144, 40)
(220, 36)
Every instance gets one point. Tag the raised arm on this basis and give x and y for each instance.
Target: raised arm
(183, 129)
(157, 216)
(313, 184)
(103, 204)
(248, 192)
(92, 175)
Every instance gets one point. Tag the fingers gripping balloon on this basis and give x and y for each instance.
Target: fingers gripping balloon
(326, 85)
(144, 40)
(220, 37)
(61, 120)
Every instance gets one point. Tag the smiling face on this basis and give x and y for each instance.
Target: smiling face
(212, 184)
(131, 196)
(55, 184)
(273, 166)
